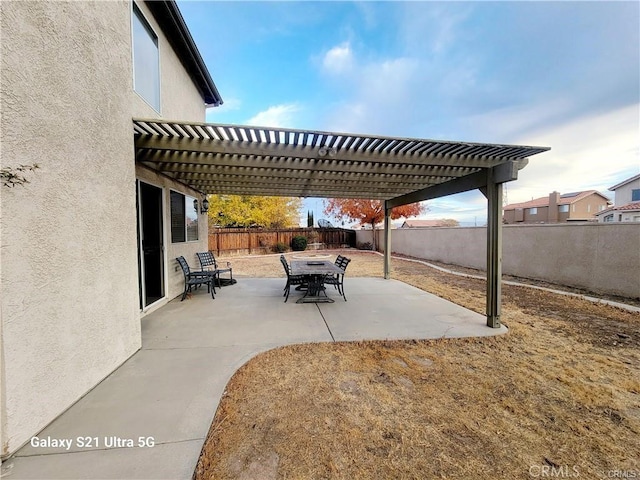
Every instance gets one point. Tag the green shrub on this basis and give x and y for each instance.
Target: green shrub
(299, 243)
(280, 247)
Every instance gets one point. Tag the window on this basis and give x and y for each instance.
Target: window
(146, 60)
(563, 208)
(589, 208)
(533, 211)
(608, 218)
(184, 218)
(635, 195)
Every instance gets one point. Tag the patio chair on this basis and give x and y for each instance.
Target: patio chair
(209, 264)
(229, 269)
(194, 279)
(338, 280)
(291, 279)
(208, 267)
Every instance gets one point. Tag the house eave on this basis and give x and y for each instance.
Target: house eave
(621, 184)
(170, 19)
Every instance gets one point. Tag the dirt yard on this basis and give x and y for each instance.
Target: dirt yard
(557, 397)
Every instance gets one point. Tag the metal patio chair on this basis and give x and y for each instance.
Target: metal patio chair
(228, 269)
(338, 280)
(208, 266)
(196, 279)
(291, 279)
(208, 263)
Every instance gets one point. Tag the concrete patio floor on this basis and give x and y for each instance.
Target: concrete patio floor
(168, 392)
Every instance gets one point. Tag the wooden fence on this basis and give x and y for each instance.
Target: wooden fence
(227, 241)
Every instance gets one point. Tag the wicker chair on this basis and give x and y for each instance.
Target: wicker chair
(194, 279)
(338, 280)
(291, 279)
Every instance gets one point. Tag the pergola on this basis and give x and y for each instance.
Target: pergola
(247, 160)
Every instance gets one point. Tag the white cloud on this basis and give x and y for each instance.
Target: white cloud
(505, 124)
(592, 152)
(381, 95)
(339, 59)
(275, 116)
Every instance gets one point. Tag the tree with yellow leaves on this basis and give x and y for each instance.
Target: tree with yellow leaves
(254, 211)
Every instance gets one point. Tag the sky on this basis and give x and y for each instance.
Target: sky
(564, 75)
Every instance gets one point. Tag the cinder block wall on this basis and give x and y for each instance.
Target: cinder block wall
(602, 258)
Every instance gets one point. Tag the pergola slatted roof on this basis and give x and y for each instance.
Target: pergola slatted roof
(214, 158)
(234, 159)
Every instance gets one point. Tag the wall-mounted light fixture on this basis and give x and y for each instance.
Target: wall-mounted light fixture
(205, 205)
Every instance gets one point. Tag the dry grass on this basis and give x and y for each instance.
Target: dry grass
(559, 394)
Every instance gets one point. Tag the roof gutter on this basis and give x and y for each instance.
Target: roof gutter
(170, 19)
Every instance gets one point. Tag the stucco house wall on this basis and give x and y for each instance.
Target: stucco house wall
(542, 215)
(587, 208)
(174, 275)
(70, 311)
(179, 97)
(68, 292)
(623, 192)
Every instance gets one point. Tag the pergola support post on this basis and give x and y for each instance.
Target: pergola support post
(387, 240)
(494, 250)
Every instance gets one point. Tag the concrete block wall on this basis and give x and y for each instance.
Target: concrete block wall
(602, 258)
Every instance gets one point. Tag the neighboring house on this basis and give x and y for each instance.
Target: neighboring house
(626, 202)
(89, 245)
(443, 222)
(557, 208)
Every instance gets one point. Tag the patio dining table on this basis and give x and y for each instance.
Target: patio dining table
(316, 270)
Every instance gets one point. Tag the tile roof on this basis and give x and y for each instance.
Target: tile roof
(622, 208)
(567, 199)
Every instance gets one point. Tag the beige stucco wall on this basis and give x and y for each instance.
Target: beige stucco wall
(587, 207)
(175, 279)
(623, 193)
(180, 100)
(68, 290)
(179, 97)
(69, 265)
(598, 257)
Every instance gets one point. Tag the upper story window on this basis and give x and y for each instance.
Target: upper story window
(635, 195)
(146, 60)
